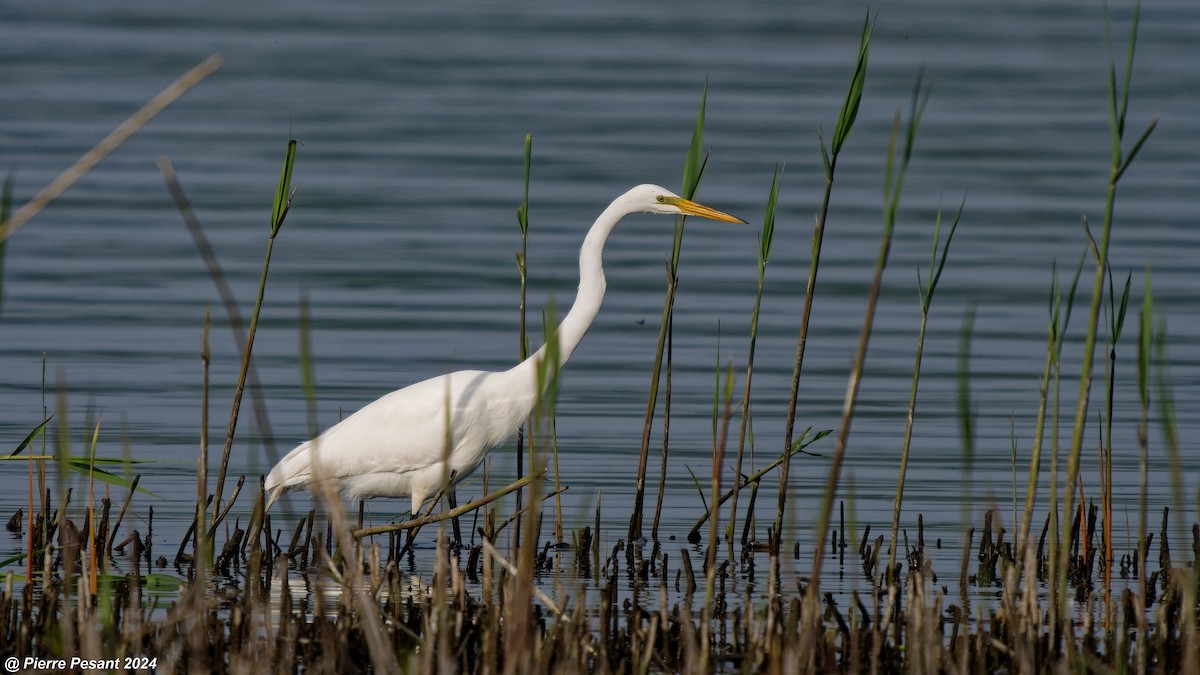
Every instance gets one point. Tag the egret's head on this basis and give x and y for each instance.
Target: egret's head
(655, 199)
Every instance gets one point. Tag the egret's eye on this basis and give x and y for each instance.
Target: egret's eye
(661, 199)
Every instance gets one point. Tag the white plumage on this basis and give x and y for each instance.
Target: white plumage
(395, 445)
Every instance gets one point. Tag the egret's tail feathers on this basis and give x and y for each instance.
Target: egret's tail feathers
(273, 494)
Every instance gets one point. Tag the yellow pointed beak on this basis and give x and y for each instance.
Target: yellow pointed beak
(691, 208)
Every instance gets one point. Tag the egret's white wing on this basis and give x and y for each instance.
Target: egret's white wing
(400, 432)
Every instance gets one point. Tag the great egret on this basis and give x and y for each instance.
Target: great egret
(395, 446)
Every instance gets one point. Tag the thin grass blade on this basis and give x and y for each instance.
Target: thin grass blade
(849, 111)
(283, 191)
(693, 165)
(37, 431)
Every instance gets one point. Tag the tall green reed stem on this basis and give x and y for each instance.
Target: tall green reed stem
(693, 168)
(829, 158)
(1060, 318)
(1118, 103)
(936, 264)
(522, 339)
(283, 199)
(764, 254)
(892, 185)
(519, 638)
(966, 411)
(1116, 318)
(1184, 578)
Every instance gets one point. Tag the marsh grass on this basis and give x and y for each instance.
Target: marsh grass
(522, 340)
(693, 169)
(925, 294)
(279, 209)
(327, 594)
(829, 158)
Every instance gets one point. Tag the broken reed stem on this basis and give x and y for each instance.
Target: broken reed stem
(201, 538)
(110, 142)
(453, 513)
(751, 480)
(556, 493)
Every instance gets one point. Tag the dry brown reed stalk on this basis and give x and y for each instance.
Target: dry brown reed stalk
(199, 548)
(874, 633)
(894, 181)
(111, 142)
(710, 564)
(350, 572)
(451, 513)
(228, 300)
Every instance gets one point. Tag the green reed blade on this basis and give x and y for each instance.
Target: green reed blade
(936, 273)
(1137, 147)
(88, 468)
(283, 194)
(37, 431)
(699, 489)
(846, 118)
(693, 164)
(768, 229)
(849, 111)
(523, 210)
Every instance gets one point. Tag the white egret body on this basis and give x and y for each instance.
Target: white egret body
(396, 445)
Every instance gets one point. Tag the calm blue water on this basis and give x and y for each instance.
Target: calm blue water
(411, 122)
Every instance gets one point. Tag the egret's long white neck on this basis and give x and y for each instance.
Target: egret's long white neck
(591, 289)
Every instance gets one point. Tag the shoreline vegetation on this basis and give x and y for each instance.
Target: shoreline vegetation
(265, 593)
